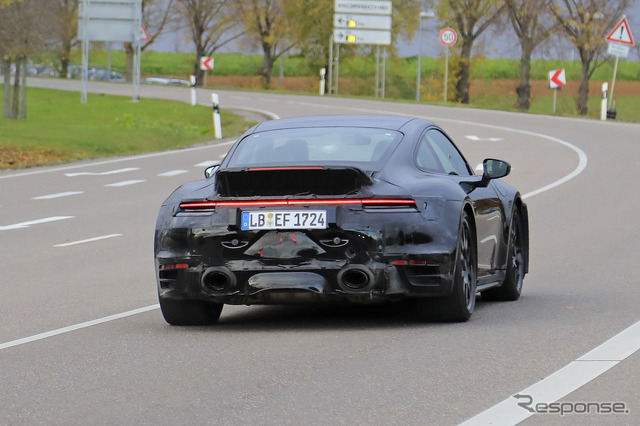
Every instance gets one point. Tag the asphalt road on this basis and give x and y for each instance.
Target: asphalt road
(82, 340)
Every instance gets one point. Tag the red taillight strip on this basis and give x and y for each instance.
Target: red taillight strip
(365, 201)
(254, 169)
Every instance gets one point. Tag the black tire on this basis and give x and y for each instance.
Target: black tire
(459, 305)
(188, 312)
(511, 287)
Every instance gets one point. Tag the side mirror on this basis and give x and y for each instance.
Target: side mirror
(495, 169)
(211, 170)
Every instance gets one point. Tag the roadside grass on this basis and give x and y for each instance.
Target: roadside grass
(362, 66)
(60, 129)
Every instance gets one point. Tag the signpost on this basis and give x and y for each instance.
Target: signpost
(448, 37)
(620, 39)
(360, 22)
(206, 64)
(110, 21)
(557, 79)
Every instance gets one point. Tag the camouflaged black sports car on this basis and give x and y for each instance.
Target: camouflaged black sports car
(363, 209)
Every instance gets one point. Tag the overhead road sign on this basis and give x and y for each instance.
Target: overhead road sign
(347, 36)
(109, 20)
(621, 33)
(369, 7)
(448, 36)
(362, 22)
(557, 78)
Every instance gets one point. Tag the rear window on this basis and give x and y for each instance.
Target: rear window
(366, 147)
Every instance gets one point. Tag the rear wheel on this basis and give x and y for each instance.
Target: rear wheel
(511, 288)
(189, 312)
(459, 305)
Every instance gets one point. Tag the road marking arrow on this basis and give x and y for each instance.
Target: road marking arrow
(34, 222)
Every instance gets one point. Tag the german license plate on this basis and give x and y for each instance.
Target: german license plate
(284, 219)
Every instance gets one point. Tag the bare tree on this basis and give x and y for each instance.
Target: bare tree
(156, 16)
(25, 29)
(586, 23)
(533, 25)
(469, 18)
(271, 28)
(65, 14)
(211, 25)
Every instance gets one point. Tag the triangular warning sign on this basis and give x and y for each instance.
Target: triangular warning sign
(621, 33)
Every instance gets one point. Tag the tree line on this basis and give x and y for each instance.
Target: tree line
(278, 27)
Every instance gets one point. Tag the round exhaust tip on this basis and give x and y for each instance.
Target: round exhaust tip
(218, 279)
(355, 277)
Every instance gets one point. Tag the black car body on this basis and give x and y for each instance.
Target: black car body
(365, 209)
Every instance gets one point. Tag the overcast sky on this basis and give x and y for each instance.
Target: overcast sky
(495, 44)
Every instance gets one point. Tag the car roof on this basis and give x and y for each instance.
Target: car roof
(391, 122)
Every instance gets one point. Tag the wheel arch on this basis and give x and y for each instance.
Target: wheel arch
(523, 211)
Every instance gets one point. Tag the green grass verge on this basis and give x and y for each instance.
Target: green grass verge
(60, 129)
(163, 63)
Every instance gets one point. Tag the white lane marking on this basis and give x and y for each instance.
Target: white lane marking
(58, 195)
(76, 327)
(119, 160)
(223, 155)
(207, 163)
(110, 172)
(479, 167)
(88, 240)
(34, 222)
(477, 138)
(564, 381)
(125, 183)
(173, 173)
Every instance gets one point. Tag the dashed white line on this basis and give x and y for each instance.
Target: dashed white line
(111, 172)
(34, 222)
(125, 183)
(207, 163)
(88, 240)
(76, 327)
(173, 173)
(58, 195)
(477, 138)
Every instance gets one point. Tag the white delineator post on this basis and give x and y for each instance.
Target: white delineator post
(217, 124)
(603, 102)
(323, 72)
(192, 84)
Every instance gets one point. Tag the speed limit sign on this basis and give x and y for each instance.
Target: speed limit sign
(448, 37)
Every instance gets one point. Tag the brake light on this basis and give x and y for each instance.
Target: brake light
(389, 202)
(257, 169)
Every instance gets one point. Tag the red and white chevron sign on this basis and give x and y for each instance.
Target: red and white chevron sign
(206, 63)
(557, 78)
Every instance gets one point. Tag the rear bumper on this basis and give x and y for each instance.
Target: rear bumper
(251, 282)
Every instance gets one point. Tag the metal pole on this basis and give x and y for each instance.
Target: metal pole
(137, 43)
(384, 68)
(419, 62)
(377, 70)
(337, 67)
(331, 65)
(281, 70)
(613, 83)
(555, 95)
(446, 73)
(85, 51)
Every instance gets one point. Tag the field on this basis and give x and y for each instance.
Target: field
(60, 129)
